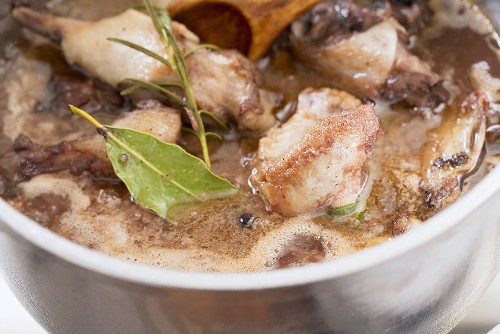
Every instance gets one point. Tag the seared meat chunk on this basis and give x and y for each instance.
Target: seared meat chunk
(316, 160)
(224, 82)
(361, 52)
(28, 159)
(455, 151)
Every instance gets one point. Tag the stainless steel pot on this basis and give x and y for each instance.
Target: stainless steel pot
(422, 282)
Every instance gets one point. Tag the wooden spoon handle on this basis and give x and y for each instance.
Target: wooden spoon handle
(266, 18)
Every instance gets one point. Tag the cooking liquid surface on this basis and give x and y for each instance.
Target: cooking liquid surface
(210, 236)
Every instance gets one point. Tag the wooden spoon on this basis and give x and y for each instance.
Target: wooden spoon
(250, 26)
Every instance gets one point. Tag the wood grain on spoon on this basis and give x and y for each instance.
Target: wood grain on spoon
(250, 26)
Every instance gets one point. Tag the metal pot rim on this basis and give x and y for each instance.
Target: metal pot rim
(155, 276)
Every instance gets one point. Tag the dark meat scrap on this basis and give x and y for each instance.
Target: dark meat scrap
(369, 59)
(81, 92)
(224, 82)
(412, 14)
(333, 21)
(456, 150)
(28, 159)
(313, 163)
(412, 80)
(37, 4)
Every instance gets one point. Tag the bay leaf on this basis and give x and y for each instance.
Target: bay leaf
(158, 175)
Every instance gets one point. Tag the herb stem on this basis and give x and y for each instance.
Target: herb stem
(144, 84)
(80, 112)
(176, 61)
(199, 47)
(178, 65)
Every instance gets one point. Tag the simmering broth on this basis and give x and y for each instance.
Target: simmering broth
(240, 233)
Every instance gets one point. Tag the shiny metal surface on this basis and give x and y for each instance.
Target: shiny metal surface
(422, 282)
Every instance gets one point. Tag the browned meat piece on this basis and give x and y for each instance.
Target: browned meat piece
(316, 160)
(456, 150)
(361, 52)
(27, 159)
(313, 105)
(224, 82)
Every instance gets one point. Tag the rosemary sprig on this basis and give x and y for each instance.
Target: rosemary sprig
(141, 84)
(176, 61)
(199, 47)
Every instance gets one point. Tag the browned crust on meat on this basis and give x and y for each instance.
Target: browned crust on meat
(361, 121)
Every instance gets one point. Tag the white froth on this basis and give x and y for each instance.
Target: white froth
(451, 13)
(483, 80)
(261, 258)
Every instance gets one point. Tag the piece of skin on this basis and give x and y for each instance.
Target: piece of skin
(224, 82)
(361, 52)
(316, 160)
(455, 151)
(28, 159)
